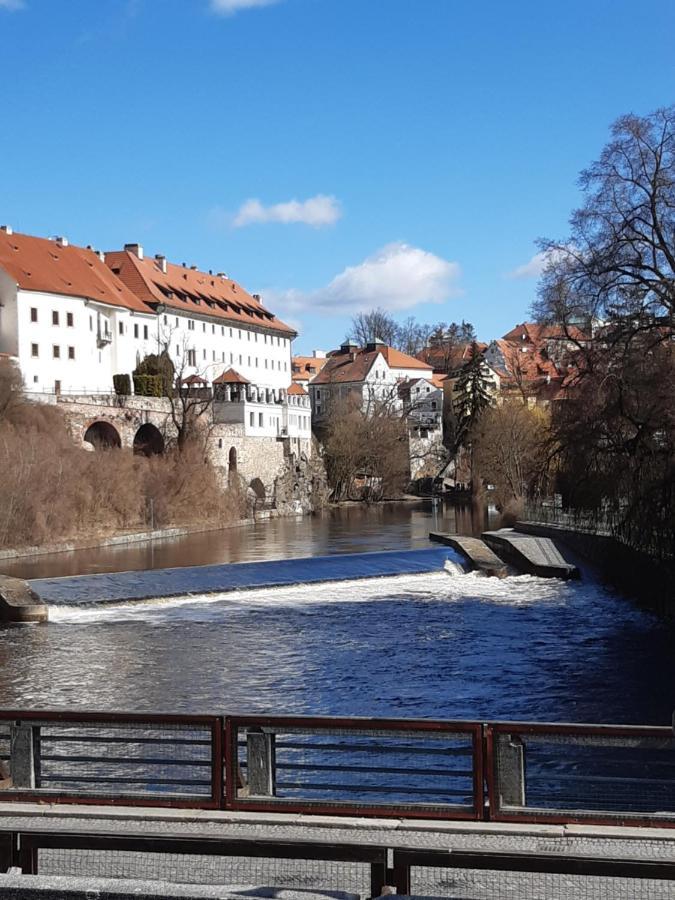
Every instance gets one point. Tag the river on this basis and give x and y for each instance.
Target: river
(442, 644)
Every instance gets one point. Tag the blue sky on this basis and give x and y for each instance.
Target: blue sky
(330, 154)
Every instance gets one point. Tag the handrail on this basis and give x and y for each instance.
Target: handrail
(414, 768)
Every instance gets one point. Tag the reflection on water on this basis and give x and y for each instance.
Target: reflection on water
(426, 645)
(352, 529)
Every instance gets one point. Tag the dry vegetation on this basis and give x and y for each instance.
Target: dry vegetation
(52, 490)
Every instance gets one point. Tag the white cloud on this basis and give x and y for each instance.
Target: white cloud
(11, 4)
(230, 7)
(317, 211)
(395, 278)
(536, 265)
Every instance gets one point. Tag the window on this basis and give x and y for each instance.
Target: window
(249, 360)
(248, 335)
(220, 443)
(121, 328)
(91, 323)
(135, 330)
(265, 338)
(222, 331)
(256, 337)
(252, 419)
(318, 394)
(231, 357)
(265, 363)
(33, 314)
(203, 354)
(55, 317)
(256, 362)
(191, 325)
(166, 320)
(222, 356)
(213, 355)
(56, 351)
(204, 326)
(177, 349)
(230, 332)
(213, 329)
(71, 353)
(35, 379)
(145, 332)
(176, 321)
(260, 419)
(57, 387)
(192, 357)
(240, 359)
(34, 350)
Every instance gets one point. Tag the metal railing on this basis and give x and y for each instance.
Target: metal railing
(407, 870)
(506, 771)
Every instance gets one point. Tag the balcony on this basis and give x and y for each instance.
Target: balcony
(103, 337)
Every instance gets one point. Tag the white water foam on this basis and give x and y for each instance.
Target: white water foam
(452, 586)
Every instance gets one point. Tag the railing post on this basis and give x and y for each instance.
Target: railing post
(24, 751)
(7, 843)
(261, 763)
(511, 772)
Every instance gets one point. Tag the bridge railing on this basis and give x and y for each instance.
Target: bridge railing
(375, 767)
(105, 758)
(429, 769)
(563, 773)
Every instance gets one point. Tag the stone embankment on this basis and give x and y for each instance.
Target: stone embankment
(19, 602)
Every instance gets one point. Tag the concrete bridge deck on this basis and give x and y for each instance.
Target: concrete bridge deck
(313, 876)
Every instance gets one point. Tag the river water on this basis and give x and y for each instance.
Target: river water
(439, 644)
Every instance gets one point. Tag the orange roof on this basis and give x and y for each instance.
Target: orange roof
(346, 367)
(535, 333)
(231, 376)
(192, 291)
(448, 358)
(437, 380)
(399, 360)
(306, 367)
(38, 264)
(297, 390)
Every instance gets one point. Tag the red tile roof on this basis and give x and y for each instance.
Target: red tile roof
(193, 291)
(297, 390)
(38, 264)
(353, 366)
(398, 360)
(231, 376)
(306, 367)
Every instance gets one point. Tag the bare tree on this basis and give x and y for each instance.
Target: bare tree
(615, 275)
(375, 324)
(11, 387)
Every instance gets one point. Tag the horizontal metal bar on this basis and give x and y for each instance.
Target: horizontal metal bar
(45, 717)
(602, 779)
(85, 779)
(375, 748)
(317, 767)
(549, 863)
(145, 760)
(93, 739)
(372, 789)
(202, 846)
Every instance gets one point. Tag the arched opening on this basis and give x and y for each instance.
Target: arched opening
(103, 436)
(258, 489)
(149, 440)
(232, 459)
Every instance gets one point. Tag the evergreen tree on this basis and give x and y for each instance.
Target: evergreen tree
(472, 395)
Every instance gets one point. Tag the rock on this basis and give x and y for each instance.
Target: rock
(19, 603)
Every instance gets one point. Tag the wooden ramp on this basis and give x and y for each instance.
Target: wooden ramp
(530, 553)
(476, 551)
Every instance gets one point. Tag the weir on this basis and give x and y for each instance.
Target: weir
(157, 583)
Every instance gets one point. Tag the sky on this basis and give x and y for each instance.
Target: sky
(331, 155)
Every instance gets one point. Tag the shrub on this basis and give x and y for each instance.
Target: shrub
(122, 385)
(148, 385)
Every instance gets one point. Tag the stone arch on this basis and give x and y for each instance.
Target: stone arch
(148, 440)
(258, 489)
(232, 459)
(103, 436)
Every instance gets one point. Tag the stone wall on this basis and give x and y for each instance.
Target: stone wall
(267, 463)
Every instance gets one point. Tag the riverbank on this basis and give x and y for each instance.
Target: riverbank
(135, 537)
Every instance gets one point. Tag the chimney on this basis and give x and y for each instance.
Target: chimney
(136, 249)
(161, 261)
(194, 268)
(221, 275)
(7, 229)
(61, 241)
(319, 354)
(100, 254)
(256, 297)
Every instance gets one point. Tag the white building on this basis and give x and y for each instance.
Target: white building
(371, 374)
(66, 317)
(74, 318)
